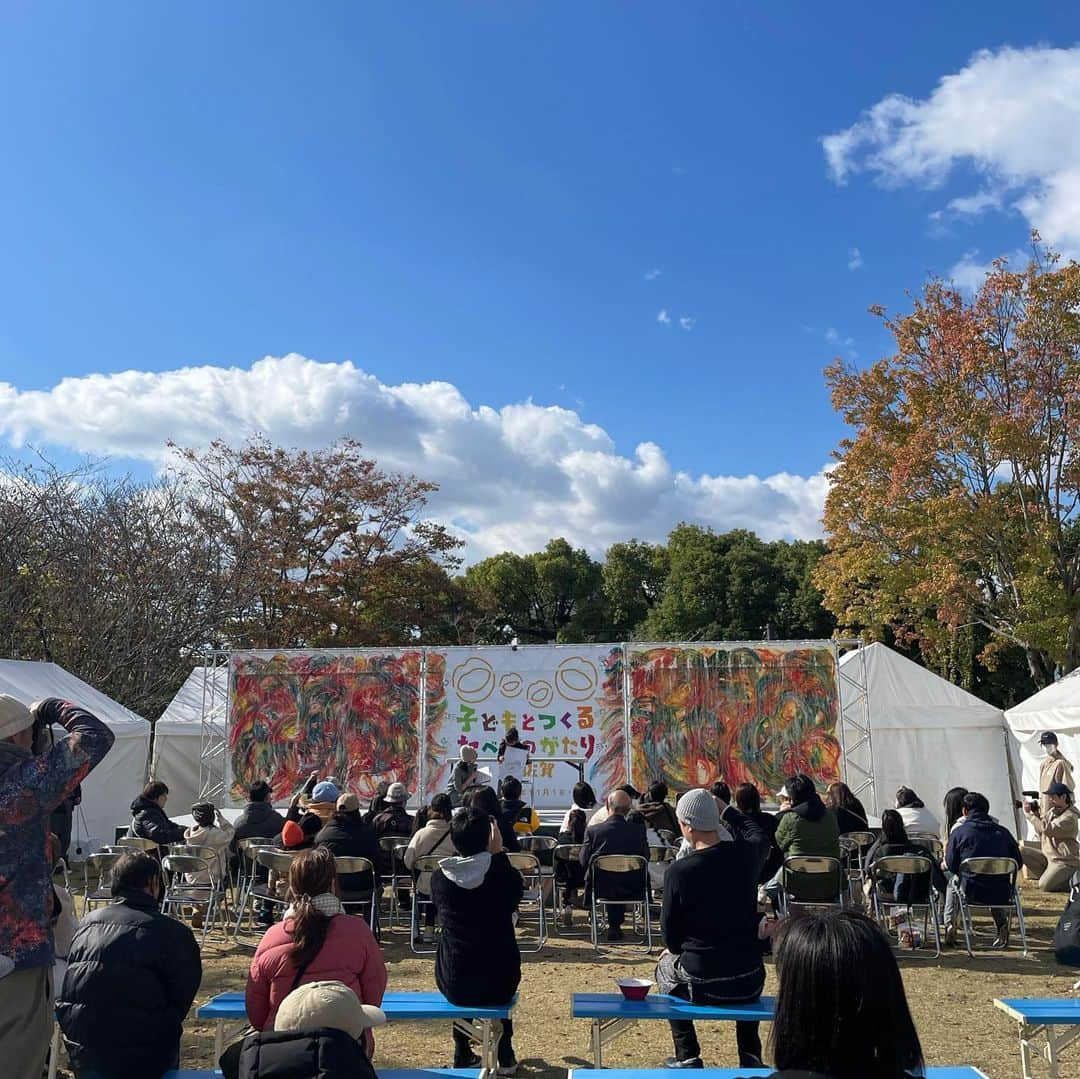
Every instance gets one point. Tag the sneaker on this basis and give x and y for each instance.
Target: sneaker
(566, 917)
(693, 1062)
(1002, 938)
(507, 1069)
(614, 933)
(949, 937)
(469, 1062)
(428, 936)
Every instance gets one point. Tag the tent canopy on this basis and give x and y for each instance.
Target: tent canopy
(178, 737)
(928, 734)
(107, 792)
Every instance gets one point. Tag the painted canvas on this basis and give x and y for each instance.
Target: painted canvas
(352, 715)
(755, 714)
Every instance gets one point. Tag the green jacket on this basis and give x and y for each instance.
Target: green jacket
(810, 828)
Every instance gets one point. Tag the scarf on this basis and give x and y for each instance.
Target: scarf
(325, 903)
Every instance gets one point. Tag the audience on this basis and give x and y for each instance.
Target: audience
(748, 803)
(432, 840)
(148, 820)
(394, 819)
(809, 828)
(658, 812)
(584, 805)
(721, 792)
(603, 812)
(570, 874)
(487, 801)
(894, 841)
(850, 815)
(657, 870)
(258, 819)
(710, 923)
(953, 806)
(318, 1034)
(348, 835)
(132, 975)
(323, 800)
(477, 893)
(915, 815)
(213, 831)
(315, 941)
(521, 817)
(979, 836)
(841, 1012)
(616, 835)
(1059, 859)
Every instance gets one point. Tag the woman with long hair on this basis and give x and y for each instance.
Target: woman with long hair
(570, 875)
(954, 811)
(850, 814)
(917, 818)
(316, 941)
(841, 1011)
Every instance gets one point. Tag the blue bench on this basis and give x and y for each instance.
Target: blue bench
(962, 1072)
(611, 1015)
(1037, 1019)
(477, 1023)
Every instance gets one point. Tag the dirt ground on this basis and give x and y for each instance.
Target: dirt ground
(951, 1001)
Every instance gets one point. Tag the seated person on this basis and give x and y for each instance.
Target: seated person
(657, 870)
(659, 814)
(465, 774)
(810, 827)
(850, 815)
(318, 1032)
(315, 941)
(148, 820)
(710, 923)
(748, 803)
(348, 835)
(616, 835)
(478, 962)
(323, 800)
(430, 841)
(1059, 859)
(979, 837)
(521, 817)
(213, 831)
(258, 819)
(486, 800)
(395, 818)
(903, 888)
(571, 875)
(132, 975)
(840, 1005)
(916, 817)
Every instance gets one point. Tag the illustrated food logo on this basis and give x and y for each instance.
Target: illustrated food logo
(575, 679)
(510, 685)
(474, 680)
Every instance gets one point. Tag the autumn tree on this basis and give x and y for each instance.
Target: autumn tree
(317, 548)
(954, 501)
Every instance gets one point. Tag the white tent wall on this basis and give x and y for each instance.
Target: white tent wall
(930, 735)
(178, 739)
(107, 792)
(1055, 708)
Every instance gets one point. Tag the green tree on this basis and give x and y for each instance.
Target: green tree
(634, 575)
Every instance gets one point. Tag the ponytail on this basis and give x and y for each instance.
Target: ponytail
(309, 929)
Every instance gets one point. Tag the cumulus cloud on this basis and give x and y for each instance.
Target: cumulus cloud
(687, 323)
(510, 478)
(663, 317)
(854, 258)
(1010, 116)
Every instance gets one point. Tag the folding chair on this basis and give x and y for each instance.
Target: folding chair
(613, 864)
(806, 870)
(426, 863)
(277, 863)
(543, 846)
(912, 865)
(181, 892)
(670, 838)
(245, 860)
(138, 842)
(853, 850)
(532, 876)
(399, 878)
(347, 865)
(566, 854)
(931, 842)
(990, 867)
(99, 864)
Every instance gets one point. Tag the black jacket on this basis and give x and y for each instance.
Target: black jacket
(660, 816)
(709, 915)
(616, 835)
(850, 821)
(348, 836)
(149, 821)
(393, 820)
(478, 961)
(981, 837)
(319, 1053)
(132, 975)
(775, 859)
(259, 820)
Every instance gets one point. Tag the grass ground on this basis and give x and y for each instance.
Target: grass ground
(951, 1001)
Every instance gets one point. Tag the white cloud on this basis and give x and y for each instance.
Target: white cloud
(968, 273)
(663, 317)
(510, 478)
(854, 258)
(1011, 116)
(687, 323)
(652, 275)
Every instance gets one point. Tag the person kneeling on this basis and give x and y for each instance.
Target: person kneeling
(478, 961)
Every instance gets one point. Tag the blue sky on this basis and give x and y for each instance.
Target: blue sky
(478, 195)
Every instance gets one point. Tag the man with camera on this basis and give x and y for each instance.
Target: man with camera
(36, 775)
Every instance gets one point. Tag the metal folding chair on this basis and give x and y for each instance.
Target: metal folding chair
(543, 846)
(532, 876)
(620, 863)
(245, 860)
(276, 863)
(346, 866)
(913, 865)
(568, 854)
(399, 878)
(804, 870)
(182, 892)
(990, 867)
(426, 863)
(100, 865)
(931, 842)
(138, 842)
(853, 850)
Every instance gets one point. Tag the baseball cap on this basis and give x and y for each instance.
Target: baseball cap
(327, 1004)
(348, 803)
(14, 716)
(1058, 789)
(396, 792)
(698, 809)
(324, 792)
(1048, 738)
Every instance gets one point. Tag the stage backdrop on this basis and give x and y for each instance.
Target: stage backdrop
(744, 713)
(565, 702)
(354, 715)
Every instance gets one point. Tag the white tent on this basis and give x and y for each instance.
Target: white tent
(178, 738)
(107, 792)
(928, 734)
(1057, 709)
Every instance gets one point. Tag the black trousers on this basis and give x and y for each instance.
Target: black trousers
(463, 1047)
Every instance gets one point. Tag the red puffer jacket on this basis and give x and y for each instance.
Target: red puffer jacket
(349, 955)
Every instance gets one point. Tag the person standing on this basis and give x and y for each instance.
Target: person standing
(616, 835)
(35, 777)
(1055, 768)
(512, 756)
(1059, 859)
(129, 960)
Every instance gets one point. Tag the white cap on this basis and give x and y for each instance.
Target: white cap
(14, 716)
(327, 1004)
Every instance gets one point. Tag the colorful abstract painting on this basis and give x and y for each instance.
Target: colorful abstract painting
(741, 714)
(352, 715)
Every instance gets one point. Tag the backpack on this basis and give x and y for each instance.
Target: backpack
(1067, 933)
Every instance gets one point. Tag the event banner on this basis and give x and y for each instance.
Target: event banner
(740, 713)
(566, 703)
(352, 715)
